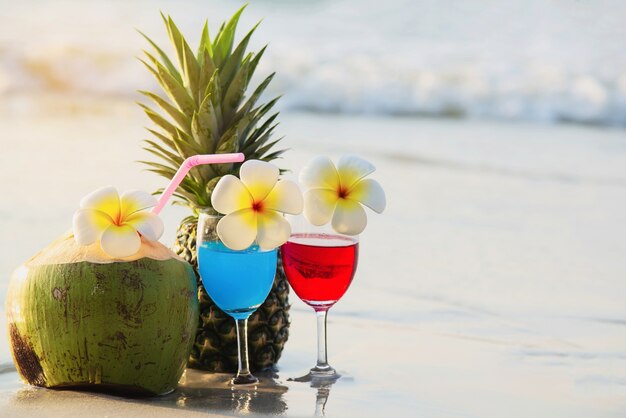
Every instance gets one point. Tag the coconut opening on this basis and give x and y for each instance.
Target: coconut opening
(66, 250)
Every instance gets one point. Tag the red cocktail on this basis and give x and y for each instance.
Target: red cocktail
(320, 267)
(319, 264)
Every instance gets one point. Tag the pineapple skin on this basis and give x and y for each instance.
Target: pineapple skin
(215, 345)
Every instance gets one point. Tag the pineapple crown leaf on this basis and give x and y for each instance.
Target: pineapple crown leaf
(186, 58)
(174, 159)
(204, 108)
(275, 155)
(178, 41)
(164, 139)
(191, 69)
(213, 89)
(179, 117)
(223, 43)
(184, 144)
(187, 187)
(185, 202)
(235, 60)
(166, 61)
(176, 91)
(159, 120)
(254, 61)
(205, 42)
(207, 72)
(189, 219)
(163, 154)
(252, 146)
(206, 124)
(172, 87)
(256, 95)
(235, 92)
(260, 111)
(252, 139)
(201, 130)
(263, 150)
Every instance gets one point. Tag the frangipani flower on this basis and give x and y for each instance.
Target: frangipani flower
(116, 221)
(336, 193)
(252, 206)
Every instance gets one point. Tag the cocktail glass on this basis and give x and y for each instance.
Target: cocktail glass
(319, 264)
(237, 281)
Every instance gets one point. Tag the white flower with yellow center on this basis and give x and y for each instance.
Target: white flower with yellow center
(335, 194)
(118, 222)
(253, 206)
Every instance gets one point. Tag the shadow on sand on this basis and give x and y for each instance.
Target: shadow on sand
(197, 391)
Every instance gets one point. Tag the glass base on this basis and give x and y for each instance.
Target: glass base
(244, 379)
(318, 375)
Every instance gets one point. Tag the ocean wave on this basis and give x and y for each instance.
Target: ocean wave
(526, 61)
(355, 84)
(537, 93)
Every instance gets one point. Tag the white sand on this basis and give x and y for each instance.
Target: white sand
(492, 286)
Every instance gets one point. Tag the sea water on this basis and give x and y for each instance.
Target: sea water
(238, 281)
(546, 61)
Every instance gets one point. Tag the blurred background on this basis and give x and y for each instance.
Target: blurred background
(494, 284)
(540, 61)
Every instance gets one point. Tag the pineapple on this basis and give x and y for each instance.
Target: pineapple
(205, 110)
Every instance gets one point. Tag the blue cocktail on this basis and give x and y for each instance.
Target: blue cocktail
(237, 281)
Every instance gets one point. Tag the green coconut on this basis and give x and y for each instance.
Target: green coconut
(79, 319)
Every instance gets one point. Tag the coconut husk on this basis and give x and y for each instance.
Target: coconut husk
(81, 319)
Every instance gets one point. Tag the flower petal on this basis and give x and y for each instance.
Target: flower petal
(89, 224)
(106, 200)
(120, 241)
(230, 195)
(237, 230)
(259, 178)
(285, 197)
(320, 173)
(148, 224)
(319, 205)
(135, 200)
(370, 193)
(352, 169)
(273, 230)
(349, 217)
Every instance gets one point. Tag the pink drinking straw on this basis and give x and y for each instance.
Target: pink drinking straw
(187, 165)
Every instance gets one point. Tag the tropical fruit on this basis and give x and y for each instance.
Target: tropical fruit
(203, 108)
(78, 319)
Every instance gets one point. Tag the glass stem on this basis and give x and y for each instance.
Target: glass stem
(322, 359)
(242, 347)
